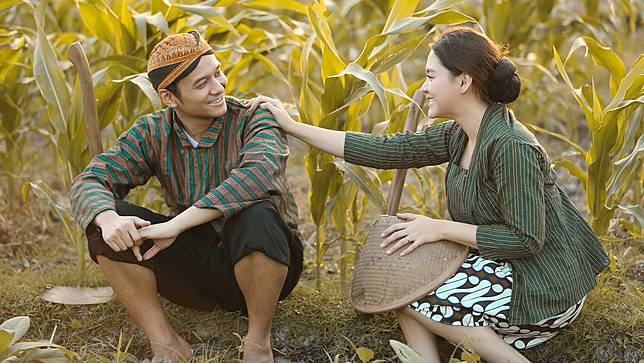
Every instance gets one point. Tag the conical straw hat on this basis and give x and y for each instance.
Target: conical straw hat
(387, 282)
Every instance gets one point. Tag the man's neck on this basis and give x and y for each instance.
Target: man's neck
(194, 126)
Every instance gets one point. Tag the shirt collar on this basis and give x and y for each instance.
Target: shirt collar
(208, 139)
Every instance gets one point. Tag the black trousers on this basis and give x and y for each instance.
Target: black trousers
(196, 271)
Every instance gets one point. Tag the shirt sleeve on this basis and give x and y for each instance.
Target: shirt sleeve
(112, 174)
(520, 186)
(402, 150)
(261, 173)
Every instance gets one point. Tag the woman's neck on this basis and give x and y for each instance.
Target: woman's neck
(470, 118)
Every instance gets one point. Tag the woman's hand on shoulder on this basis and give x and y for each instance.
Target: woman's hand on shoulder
(415, 231)
(276, 108)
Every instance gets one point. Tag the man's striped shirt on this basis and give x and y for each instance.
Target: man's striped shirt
(240, 160)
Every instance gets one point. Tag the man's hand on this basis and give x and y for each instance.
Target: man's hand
(163, 235)
(120, 232)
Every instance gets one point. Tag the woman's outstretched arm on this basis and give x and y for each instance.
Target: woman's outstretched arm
(399, 151)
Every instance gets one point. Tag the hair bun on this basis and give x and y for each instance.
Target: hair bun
(504, 85)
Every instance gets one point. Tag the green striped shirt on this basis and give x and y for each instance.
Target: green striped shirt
(240, 160)
(511, 194)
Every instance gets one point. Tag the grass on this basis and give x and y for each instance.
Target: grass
(309, 326)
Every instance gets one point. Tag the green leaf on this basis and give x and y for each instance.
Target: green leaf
(401, 9)
(6, 339)
(603, 57)
(636, 211)
(290, 5)
(49, 77)
(331, 61)
(367, 182)
(626, 171)
(574, 170)
(448, 17)
(142, 81)
(18, 325)
(405, 353)
(365, 354)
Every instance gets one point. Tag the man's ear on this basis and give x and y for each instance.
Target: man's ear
(168, 98)
(465, 82)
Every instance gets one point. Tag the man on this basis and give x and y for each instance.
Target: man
(231, 241)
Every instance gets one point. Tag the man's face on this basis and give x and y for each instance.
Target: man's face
(202, 91)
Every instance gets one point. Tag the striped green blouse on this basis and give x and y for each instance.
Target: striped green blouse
(240, 160)
(522, 215)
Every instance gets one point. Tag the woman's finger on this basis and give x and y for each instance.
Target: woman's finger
(410, 249)
(151, 252)
(393, 228)
(394, 237)
(408, 216)
(399, 244)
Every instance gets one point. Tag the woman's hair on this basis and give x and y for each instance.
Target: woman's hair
(464, 50)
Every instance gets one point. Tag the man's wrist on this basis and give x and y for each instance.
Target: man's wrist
(104, 216)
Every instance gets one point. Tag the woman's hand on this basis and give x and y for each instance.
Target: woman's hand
(163, 234)
(277, 109)
(415, 231)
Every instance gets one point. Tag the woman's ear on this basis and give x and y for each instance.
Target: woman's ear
(465, 82)
(167, 98)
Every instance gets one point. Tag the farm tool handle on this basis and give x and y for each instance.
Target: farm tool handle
(393, 200)
(77, 56)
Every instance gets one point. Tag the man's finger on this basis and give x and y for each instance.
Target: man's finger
(134, 235)
(151, 252)
(112, 245)
(137, 253)
(119, 243)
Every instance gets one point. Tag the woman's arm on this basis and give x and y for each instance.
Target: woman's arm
(399, 151)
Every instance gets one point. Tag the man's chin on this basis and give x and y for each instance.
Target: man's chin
(219, 111)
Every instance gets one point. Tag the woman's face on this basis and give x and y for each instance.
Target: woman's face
(441, 89)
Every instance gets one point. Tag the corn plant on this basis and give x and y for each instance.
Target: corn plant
(613, 125)
(336, 94)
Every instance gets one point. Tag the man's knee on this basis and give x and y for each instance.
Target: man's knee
(259, 213)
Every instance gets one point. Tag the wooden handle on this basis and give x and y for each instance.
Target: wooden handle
(77, 56)
(393, 201)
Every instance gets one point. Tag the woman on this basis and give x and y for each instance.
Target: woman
(533, 259)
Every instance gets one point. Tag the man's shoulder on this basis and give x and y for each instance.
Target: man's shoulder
(157, 122)
(240, 107)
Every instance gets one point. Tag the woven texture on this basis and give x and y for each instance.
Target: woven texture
(177, 49)
(388, 282)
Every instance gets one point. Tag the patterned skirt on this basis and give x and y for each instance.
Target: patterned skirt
(479, 295)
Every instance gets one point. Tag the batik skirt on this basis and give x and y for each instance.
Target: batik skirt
(479, 295)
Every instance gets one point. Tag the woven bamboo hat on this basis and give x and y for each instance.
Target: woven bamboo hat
(388, 282)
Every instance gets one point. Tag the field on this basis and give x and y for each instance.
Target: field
(582, 69)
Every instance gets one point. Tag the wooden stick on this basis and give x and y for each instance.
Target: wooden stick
(77, 56)
(393, 200)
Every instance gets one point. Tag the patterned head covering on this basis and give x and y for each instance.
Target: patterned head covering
(173, 55)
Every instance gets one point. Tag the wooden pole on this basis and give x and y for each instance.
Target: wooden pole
(393, 200)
